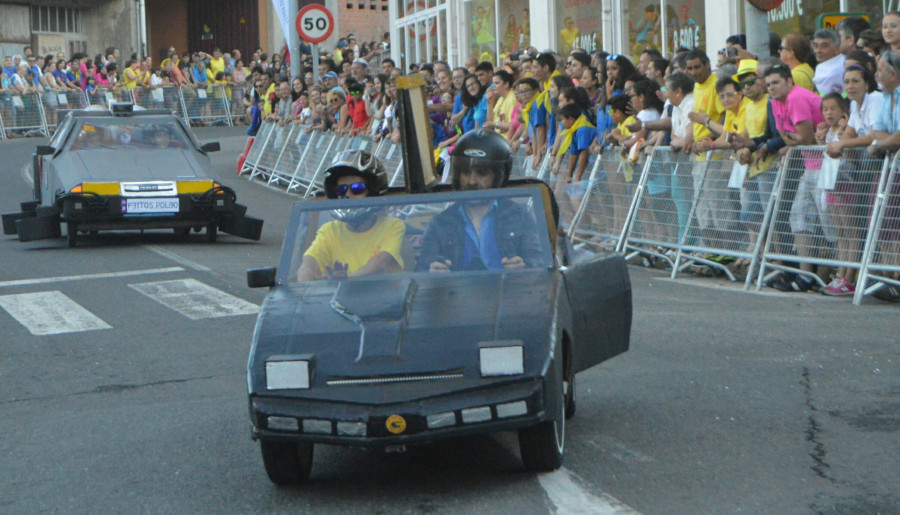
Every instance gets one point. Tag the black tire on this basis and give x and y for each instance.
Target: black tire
(71, 233)
(212, 231)
(287, 463)
(543, 446)
(570, 397)
(182, 231)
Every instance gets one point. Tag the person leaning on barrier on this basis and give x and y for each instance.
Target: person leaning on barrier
(480, 234)
(360, 241)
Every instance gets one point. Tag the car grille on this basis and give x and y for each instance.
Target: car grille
(404, 378)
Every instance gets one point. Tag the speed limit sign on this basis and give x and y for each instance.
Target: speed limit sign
(315, 23)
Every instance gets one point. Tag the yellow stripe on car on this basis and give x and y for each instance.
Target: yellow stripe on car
(194, 186)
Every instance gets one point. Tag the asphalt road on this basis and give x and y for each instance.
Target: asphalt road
(728, 401)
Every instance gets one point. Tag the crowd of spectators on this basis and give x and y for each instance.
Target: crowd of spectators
(840, 88)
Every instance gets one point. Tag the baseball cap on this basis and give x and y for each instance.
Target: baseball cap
(330, 75)
(361, 61)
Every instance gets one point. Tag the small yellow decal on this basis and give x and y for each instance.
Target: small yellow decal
(396, 424)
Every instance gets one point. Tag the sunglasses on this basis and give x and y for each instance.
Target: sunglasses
(612, 57)
(748, 83)
(357, 188)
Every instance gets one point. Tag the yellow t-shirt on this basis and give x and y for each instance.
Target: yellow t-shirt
(216, 65)
(623, 127)
(803, 76)
(756, 116)
(267, 105)
(706, 100)
(503, 109)
(335, 242)
(737, 122)
(131, 76)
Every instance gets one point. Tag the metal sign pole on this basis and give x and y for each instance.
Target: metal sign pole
(293, 42)
(315, 52)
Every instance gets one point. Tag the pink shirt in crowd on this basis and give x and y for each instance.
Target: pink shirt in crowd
(800, 105)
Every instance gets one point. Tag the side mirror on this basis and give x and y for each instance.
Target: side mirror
(211, 147)
(261, 277)
(45, 150)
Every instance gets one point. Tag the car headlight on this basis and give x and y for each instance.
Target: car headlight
(287, 374)
(501, 359)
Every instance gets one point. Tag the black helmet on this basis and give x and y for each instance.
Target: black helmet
(357, 162)
(481, 148)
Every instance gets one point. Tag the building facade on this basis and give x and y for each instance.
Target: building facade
(454, 30)
(52, 27)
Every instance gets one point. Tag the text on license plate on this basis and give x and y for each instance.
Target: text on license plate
(149, 205)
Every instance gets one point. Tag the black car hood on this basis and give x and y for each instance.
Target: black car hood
(136, 165)
(421, 324)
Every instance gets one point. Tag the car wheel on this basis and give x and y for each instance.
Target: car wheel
(287, 463)
(71, 233)
(212, 232)
(542, 446)
(182, 231)
(569, 387)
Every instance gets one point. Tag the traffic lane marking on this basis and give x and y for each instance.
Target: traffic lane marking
(568, 496)
(563, 487)
(82, 277)
(195, 299)
(181, 260)
(50, 312)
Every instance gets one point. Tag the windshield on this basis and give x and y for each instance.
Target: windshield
(129, 134)
(482, 231)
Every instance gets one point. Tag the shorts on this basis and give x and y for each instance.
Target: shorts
(808, 209)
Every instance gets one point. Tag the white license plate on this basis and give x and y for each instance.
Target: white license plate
(133, 206)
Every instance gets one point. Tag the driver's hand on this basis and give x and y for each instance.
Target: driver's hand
(513, 263)
(337, 271)
(440, 266)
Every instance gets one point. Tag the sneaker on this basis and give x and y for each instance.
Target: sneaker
(839, 287)
(793, 283)
(888, 293)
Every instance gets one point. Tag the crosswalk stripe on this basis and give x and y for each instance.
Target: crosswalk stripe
(195, 299)
(50, 312)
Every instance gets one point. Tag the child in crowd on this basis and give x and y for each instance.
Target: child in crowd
(577, 136)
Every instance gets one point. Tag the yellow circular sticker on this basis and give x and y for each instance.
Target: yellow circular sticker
(396, 424)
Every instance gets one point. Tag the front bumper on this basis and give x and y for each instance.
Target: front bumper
(93, 212)
(498, 408)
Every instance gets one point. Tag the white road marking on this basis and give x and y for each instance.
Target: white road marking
(50, 312)
(569, 497)
(178, 259)
(195, 299)
(107, 275)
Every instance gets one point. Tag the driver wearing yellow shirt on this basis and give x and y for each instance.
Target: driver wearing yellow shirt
(360, 241)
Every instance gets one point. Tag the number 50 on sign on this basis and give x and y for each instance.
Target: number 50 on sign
(315, 23)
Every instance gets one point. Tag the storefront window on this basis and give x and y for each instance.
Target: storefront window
(481, 28)
(685, 25)
(513, 22)
(579, 25)
(799, 16)
(643, 27)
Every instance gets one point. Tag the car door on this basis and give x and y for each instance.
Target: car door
(599, 295)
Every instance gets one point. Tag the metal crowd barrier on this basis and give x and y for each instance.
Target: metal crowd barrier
(676, 207)
(23, 114)
(208, 104)
(59, 103)
(881, 252)
(391, 157)
(236, 102)
(822, 210)
(601, 217)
